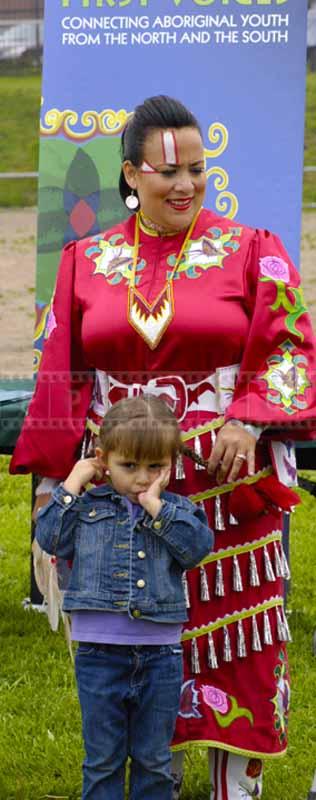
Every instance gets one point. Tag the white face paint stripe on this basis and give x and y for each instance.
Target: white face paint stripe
(169, 147)
(146, 167)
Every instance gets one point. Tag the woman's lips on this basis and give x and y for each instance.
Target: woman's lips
(181, 205)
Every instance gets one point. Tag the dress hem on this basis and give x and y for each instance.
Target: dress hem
(230, 748)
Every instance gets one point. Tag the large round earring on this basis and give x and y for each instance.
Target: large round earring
(132, 201)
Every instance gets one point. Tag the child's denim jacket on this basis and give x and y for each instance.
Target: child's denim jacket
(120, 565)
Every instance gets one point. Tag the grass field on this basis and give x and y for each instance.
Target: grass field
(20, 104)
(39, 718)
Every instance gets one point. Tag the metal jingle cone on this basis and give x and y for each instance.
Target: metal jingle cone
(277, 561)
(241, 641)
(195, 661)
(198, 451)
(219, 580)
(286, 574)
(256, 641)
(211, 652)
(254, 579)
(268, 569)
(204, 590)
(180, 473)
(237, 580)
(267, 633)
(287, 631)
(282, 635)
(186, 590)
(227, 651)
(219, 522)
(233, 520)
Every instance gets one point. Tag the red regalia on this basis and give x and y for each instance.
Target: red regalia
(227, 337)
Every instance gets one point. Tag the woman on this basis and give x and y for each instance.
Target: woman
(207, 314)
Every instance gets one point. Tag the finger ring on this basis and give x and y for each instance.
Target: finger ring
(241, 456)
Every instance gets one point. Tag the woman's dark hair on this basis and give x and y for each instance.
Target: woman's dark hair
(160, 112)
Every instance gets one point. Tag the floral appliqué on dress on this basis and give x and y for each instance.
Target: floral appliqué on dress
(287, 378)
(281, 699)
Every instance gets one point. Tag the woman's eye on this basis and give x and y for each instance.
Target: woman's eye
(168, 173)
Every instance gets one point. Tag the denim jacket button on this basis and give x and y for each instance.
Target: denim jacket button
(141, 554)
(136, 613)
(67, 499)
(157, 525)
(141, 583)
(92, 513)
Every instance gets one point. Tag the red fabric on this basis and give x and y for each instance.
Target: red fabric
(223, 317)
(268, 494)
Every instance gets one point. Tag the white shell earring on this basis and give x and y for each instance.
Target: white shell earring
(131, 201)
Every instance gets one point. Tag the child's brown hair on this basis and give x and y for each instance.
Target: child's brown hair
(140, 428)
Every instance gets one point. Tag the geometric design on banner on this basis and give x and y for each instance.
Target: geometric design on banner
(81, 197)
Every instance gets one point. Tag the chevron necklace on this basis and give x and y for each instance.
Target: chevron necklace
(151, 320)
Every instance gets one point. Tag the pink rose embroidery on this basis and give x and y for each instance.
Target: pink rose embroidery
(51, 324)
(275, 268)
(215, 698)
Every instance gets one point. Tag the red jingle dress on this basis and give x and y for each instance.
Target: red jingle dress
(239, 345)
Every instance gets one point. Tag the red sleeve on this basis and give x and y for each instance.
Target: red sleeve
(276, 383)
(54, 425)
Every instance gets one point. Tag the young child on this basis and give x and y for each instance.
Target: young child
(130, 542)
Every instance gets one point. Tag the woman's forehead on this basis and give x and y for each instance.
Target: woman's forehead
(173, 146)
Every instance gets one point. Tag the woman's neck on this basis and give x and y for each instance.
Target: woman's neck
(154, 228)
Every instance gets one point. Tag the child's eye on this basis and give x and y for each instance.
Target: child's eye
(155, 466)
(129, 465)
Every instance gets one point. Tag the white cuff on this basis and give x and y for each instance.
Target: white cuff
(254, 430)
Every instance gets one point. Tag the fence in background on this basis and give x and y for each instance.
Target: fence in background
(21, 35)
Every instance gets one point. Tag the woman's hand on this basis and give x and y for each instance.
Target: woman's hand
(150, 500)
(84, 471)
(234, 446)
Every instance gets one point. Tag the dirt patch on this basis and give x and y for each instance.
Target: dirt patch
(17, 285)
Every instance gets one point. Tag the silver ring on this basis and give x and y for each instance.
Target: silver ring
(241, 456)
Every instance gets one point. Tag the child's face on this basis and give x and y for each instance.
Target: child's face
(129, 478)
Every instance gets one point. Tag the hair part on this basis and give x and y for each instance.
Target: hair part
(159, 112)
(140, 429)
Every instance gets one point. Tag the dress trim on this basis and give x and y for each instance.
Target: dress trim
(228, 487)
(228, 619)
(230, 748)
(275, 536)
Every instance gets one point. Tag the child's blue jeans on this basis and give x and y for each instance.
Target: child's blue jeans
(129, 697)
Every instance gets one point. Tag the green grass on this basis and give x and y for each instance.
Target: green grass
(20, 99)
(20, 107)
(40, 732)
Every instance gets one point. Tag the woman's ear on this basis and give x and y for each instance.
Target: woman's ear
(129, 171)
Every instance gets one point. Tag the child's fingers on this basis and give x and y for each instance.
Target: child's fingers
(165, 477)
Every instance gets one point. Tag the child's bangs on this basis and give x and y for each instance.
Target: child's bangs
(145, 439)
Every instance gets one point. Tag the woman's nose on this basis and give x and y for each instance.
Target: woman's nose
(184, 183)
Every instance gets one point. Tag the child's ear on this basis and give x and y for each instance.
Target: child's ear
(101, 454)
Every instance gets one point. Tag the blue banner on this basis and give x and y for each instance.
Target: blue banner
(239, 65)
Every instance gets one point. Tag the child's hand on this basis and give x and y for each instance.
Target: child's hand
(150, 500)
(84, 471)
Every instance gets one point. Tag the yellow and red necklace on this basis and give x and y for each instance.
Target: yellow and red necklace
(151, 320)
